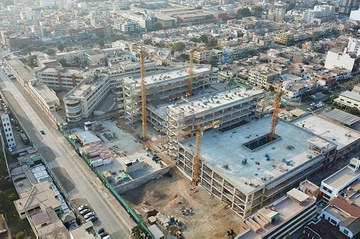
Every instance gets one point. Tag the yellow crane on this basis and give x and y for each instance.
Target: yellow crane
(143, 95)
(191, 72)
(275, 114)
(199, 130)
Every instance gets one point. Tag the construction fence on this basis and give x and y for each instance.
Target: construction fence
(108, 185)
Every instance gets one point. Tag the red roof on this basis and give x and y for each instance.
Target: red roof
(346, 206)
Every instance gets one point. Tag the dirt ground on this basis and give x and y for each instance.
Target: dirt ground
(173, 193)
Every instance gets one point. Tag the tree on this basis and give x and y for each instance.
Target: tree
(147, 41)
(243, 12)
(32, 60)
(20, 235)
(178, 46)
(354, 111)
(257, 11)
(61, 46)
(50, 52)
(102, 44)
(63, 63)
(213, 62)
(77, 60)
(157, 26)
(204, 38)
(194, 39)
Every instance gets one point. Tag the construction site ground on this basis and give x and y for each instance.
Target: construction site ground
(173, 193)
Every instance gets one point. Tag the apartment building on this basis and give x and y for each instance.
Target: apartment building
(284, 38)
(349, 99)
(353, 46)
(130, 26)
(262, 76)
(242, 168)
(82, 100)
(338, 59)
(284, 216)
(340, 219)
(333, 185)
(8, 132)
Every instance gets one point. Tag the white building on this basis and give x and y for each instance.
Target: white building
(353, 46)
(82, 100)
(349, 99)
(130, 26)
(337, 59)
(355, 15)
(319, 11)
(332, 186)
(9, 135)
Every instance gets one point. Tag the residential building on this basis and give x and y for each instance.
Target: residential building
(340, 219)
(284, 38)
(264, 171)
(353, 46)
(130, 26)
(333, 185)
(262, 76)
(349, 99)
(346, 6)
(318, 14)
(284, 216)
(8, 132)
(338, 59)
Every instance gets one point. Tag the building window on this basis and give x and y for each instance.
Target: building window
(332, 221)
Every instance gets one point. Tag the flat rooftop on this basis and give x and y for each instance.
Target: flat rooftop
(214, 101)
(286, 207)
(25, 73)
(336, 133)
(342, 177)
(172, 75)
(46, 93)
(86, 87)
(224, 152)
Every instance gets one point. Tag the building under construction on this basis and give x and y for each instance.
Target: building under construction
(231, 107)
(247, 170)
(163, 87)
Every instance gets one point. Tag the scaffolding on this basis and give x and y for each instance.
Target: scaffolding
(174, 129)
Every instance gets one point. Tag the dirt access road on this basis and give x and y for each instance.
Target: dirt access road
(169, 195)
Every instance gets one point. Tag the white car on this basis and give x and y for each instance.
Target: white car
(90, 214)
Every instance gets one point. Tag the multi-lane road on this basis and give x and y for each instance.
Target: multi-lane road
(59, 154)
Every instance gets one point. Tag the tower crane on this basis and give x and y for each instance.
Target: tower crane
(191, 71)
(198, 133)
(275, 114)
(143, 95)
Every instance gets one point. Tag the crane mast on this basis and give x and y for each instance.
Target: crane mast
(275, 115)
(191, 72)
(197, 155)
(143, 95)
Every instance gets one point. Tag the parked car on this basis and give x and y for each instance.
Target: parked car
(82, 207)
(85, 211)
(103, 234)
(92, 218)
(90, 214)
(101, 230)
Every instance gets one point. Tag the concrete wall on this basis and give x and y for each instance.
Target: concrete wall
(123, 188)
